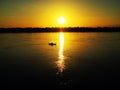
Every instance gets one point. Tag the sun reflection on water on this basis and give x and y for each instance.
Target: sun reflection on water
(61, 63)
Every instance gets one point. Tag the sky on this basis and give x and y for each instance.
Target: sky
(45, 13)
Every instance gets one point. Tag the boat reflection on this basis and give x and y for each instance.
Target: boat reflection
(60, 62)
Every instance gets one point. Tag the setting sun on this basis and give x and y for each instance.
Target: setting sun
(61, 20)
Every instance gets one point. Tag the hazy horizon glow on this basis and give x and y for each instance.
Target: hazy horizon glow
(45, 13)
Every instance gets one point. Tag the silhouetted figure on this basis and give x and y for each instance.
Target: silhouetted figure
(52, 43)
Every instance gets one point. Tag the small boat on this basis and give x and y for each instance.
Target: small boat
(52, 43)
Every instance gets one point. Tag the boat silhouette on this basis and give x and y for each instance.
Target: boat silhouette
(51, 43)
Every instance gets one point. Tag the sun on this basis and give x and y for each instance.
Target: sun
(61, 20)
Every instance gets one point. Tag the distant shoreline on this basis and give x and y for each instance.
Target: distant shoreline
(69, 29)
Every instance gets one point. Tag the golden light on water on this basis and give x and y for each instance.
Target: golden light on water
(61, 63)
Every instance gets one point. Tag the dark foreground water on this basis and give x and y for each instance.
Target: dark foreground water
(78, 61)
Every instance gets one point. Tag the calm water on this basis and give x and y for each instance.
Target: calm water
(78, 61)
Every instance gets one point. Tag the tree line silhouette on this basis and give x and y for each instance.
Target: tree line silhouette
(57, 29)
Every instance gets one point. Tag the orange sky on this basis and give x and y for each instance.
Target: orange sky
(45, 13)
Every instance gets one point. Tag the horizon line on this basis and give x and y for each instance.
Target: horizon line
(68, 27)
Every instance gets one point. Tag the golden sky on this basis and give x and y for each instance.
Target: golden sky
(45, 13)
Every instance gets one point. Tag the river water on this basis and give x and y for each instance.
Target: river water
(77, 61)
